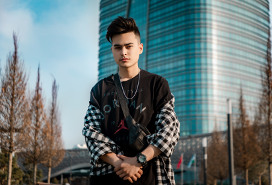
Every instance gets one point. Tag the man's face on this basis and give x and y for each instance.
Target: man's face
(126, 49)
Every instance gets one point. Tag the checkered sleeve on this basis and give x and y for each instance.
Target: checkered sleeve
(97, 143)
(167, 129)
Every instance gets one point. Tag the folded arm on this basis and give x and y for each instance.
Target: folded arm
(103, 151)
(97, 143)
(167, 131)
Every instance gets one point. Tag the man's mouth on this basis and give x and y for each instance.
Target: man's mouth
(124, 59)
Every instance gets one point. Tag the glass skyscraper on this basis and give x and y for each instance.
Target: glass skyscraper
(208, 50)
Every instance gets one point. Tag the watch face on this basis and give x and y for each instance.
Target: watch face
(142, 158)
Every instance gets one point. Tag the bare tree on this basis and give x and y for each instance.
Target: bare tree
(264, 114)
(217, 168)
(53, 142)
(246, 148)
(34, 153)
(13, 104)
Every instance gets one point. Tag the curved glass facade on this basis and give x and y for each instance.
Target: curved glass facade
(207, 50)
(109, 10)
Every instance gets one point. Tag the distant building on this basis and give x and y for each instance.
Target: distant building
(75, 166)
(207, 50)
(80, 146)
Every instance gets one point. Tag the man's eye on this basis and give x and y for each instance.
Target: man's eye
(128, 46)
(118, 48)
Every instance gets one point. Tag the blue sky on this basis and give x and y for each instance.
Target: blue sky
(61, 36)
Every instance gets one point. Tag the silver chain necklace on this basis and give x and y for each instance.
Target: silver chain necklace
(136, 87)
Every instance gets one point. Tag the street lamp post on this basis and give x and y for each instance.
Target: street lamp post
(230, 144)
(204, 144)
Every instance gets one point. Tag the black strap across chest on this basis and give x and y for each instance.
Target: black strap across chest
(123, 101)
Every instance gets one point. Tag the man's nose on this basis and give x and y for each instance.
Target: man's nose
(124, 51)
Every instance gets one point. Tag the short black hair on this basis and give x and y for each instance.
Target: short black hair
(122, 25)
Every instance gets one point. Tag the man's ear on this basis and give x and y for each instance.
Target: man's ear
(141, 47)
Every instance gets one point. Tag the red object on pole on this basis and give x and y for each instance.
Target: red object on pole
(180, 161)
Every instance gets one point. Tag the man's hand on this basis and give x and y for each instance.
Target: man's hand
(129, 169)
(120, 165)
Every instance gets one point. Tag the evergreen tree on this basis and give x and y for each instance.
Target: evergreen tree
(17, 173)
(29, 174)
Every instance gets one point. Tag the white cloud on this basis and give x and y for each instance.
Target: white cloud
(15, 19)
(64, 40)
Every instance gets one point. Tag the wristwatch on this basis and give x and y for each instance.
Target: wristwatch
(141, 158)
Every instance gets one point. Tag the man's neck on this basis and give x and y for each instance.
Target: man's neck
(126, 73)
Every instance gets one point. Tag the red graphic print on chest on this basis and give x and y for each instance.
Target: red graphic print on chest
(121, 126)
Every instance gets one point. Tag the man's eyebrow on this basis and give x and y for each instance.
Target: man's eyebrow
(116, 45)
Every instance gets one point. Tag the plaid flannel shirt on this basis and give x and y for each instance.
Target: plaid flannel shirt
(165, 138)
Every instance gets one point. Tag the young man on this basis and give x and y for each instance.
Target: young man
(150, 103)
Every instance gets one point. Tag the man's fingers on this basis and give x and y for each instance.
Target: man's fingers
(138, 175)
(118, 172)
(134, 178)
(129, 179)
(121, 174)
(140, 172)
(116, 169)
